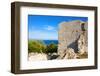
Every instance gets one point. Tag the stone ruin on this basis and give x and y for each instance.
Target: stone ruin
(73, 40)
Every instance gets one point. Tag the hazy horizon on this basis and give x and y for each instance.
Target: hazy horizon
(41, 39)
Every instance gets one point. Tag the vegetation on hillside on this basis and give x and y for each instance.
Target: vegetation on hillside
(40, 47)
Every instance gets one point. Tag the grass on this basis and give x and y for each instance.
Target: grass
(82, 56)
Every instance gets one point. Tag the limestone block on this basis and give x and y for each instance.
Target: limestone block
(70, 54)
(68, 35)
(82, 43)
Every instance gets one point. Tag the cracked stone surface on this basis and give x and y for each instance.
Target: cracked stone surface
(73, 36)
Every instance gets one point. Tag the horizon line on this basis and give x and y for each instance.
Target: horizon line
(42, 39)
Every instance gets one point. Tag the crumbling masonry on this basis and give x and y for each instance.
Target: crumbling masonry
(73, 39)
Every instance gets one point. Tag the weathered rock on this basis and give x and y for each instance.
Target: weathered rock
(71, 38)
(37, 57)
(82, 43)
(70, 54)
(52, 56)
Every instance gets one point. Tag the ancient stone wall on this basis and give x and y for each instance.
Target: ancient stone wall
(69, 34)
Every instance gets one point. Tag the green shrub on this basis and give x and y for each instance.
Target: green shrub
(36, 46)
(40, 47)
(51, 48)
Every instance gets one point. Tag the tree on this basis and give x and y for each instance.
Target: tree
(51, 48)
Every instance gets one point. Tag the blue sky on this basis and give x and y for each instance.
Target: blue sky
(44, 27)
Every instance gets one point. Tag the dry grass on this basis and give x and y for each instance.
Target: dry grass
(82, 56)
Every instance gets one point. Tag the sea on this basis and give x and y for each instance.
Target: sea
(47, 42)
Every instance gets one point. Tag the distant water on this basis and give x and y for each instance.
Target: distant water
(47, 42)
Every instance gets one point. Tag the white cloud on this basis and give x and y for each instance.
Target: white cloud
(49, 28)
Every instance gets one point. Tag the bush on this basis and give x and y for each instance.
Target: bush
(36, 46)
(51, 48)
(40, 47)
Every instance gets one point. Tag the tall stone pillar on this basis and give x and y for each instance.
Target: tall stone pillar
(68, 35)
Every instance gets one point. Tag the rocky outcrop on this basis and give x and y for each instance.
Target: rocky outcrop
(37, 57)
(72, 39)
(69, 54)
(82, 43)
